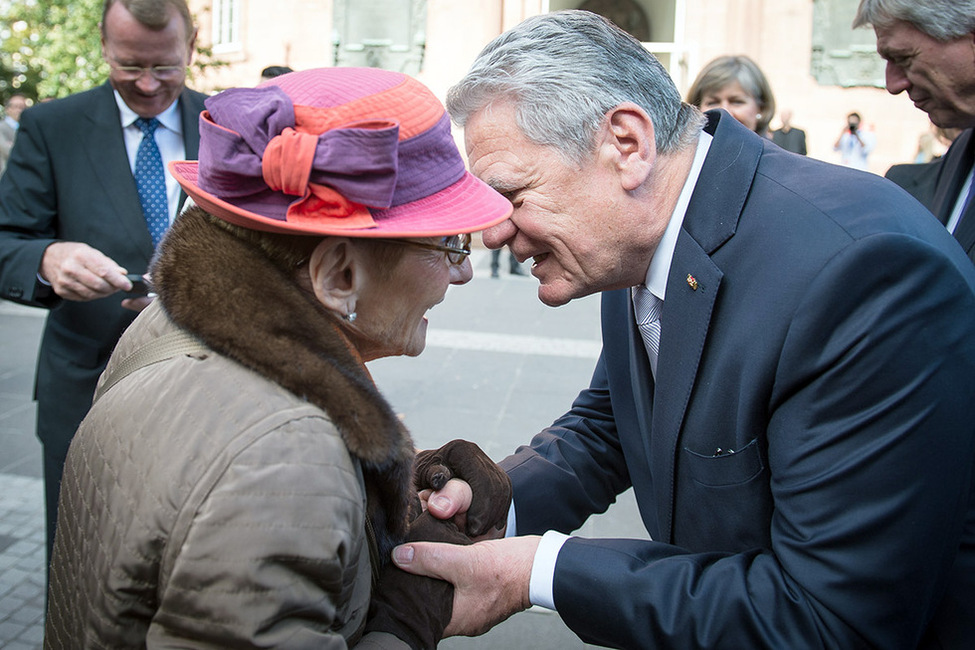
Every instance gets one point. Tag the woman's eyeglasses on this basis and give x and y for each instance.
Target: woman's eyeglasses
(457, 247)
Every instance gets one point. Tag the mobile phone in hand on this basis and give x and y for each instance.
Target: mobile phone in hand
(139, 285)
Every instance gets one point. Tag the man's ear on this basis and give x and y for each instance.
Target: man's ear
(336, 268)
(629, 142)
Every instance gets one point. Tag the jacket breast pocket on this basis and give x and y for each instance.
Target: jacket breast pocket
(723, 500)
(724, 468)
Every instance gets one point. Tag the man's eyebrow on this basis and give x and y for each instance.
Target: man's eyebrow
(501, 186)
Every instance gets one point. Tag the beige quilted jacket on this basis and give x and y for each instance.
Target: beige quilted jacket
(205, 505)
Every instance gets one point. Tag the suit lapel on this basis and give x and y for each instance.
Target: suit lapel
(957, 163)
(692, 291)
(190, 116)
(106, 150)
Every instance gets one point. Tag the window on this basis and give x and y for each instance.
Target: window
(388, 34)
(226, 25)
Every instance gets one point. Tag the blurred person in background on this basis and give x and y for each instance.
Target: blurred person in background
(272, 71)
(736, 84)
(855, 143)
(84, 201)
(12, 109)
(787, 136)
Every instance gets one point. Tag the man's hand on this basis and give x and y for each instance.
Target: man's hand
(490, 578)
(452, 503)
(76, 271)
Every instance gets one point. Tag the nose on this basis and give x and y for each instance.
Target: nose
(497, 236)
(147, 83)
(461, 273)
(896, 80)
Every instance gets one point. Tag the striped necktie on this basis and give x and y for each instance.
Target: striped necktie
(647, 308)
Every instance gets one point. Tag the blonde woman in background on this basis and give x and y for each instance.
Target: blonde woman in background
(736, 84)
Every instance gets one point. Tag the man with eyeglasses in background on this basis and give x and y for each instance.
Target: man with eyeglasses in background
(72, 215)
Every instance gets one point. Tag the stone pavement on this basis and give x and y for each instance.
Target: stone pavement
(499, 365)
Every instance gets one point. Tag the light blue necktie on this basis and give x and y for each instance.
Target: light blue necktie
(150, 179)
(647, 308)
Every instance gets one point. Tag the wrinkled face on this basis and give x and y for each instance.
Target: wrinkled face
(391, 311)
(127, 42)
(733, 98)
(938, 77)
(570, 220)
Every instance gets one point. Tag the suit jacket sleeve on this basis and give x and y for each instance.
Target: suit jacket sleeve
(28, 217)
(867, 513)
(579, 458)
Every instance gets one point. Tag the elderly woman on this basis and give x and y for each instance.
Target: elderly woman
(736, 84)
(240, 481)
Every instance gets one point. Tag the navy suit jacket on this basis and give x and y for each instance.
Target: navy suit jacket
(819, 331)
(69, 179)
(957, 162)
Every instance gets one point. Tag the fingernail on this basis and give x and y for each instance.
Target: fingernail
(442, 503)
(403, 554)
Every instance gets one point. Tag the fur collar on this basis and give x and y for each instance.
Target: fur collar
(227, 293)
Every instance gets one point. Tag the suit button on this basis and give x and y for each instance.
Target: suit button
(15, 292)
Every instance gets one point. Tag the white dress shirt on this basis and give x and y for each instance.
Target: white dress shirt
(960, 203)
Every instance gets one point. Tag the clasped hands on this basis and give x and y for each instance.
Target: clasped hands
(474, 578)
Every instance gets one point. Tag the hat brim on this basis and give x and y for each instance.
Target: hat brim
(468, 205)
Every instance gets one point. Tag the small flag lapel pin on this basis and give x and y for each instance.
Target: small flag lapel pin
(691, 282)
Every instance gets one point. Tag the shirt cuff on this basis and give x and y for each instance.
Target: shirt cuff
(511, 530)
(542, 581)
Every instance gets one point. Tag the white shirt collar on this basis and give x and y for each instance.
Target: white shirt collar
(659, 270)
(169, 118)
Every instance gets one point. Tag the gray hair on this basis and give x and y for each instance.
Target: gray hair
(942, 20)
(564, 71)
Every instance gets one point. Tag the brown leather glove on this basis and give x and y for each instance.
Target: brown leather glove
(489, 483)
(414, 608)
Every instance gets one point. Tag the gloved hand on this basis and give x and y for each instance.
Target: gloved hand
(415, 608)
(490, 485)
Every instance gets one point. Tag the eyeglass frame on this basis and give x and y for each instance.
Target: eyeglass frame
(129, 71)
(455, 254)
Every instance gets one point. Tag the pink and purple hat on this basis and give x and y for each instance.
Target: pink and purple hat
(359, 152)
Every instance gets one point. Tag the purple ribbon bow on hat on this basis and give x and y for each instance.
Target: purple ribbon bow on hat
(251, 155)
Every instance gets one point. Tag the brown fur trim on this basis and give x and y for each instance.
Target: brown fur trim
(227, 293)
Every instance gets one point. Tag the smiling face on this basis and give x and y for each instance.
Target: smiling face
(127, 42)
(939, 77)
(391, 306)
(579, 224)
(734, 99)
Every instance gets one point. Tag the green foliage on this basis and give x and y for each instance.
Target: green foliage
(52, 48)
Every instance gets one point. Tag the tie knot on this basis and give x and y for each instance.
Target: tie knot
(646, 305)
(147, 125)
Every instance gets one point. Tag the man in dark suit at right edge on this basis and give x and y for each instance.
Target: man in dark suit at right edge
(928, 46)
(72, 220)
